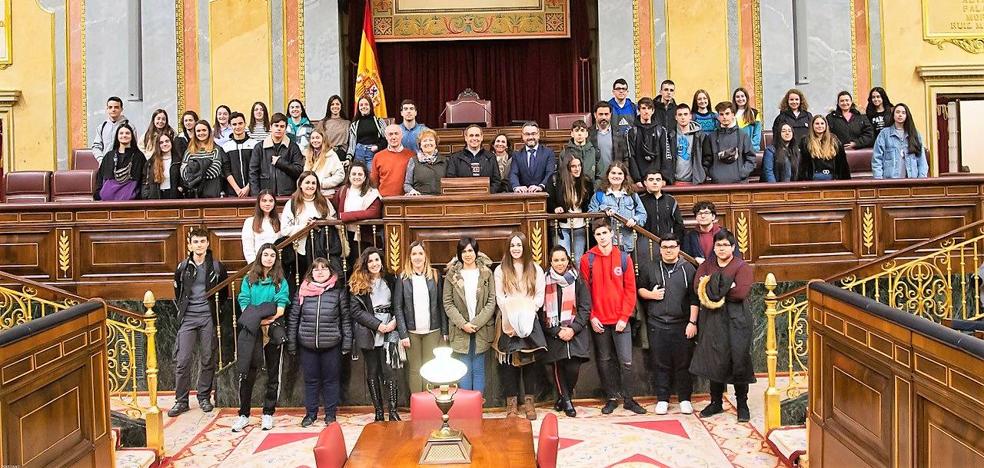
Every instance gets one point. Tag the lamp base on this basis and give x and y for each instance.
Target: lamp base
(446, 447)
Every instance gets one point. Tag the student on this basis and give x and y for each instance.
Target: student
(426, 169)
(611, 144)
(581, 148)
(236, 153)
(749, 118)
(823, 156)
(420, 318)
(782, 158)
(647, 144)
(371, 305)
(305, 206)
(519, 344)
(794, 110)
(565, 316)
(899, 151)
(665, 105)
(623, 109)
(662, 211)
(699, 242)
(259, 121)
(263, 298)
(668, 298)
(335, 126)
(469, 302)
(162, 173)
(105, 137)
(366, 133)
(277, 162)
(879, 110)
(723, 354)
(299, 127)
(728, 154)
(534, 165)
(608, 271)
(196, 321)
(187, 131)
(358, 200)
(616, 195)
(221, 128)
(702, 112)
(411, 128)
(201, 167)
(475, 161)
(570, 191)
(323, 161)
(849, 125)
(158, 126)
(261, 228)
(685, 150)
(320, 328)
(502, 150)
(121, 169)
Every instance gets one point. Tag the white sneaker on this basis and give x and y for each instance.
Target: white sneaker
(240, 424)
(686, 407)
(662, 407)
(267, 422)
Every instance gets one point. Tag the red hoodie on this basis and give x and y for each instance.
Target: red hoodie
(613, 291)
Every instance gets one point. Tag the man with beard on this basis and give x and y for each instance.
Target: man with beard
(610, 145)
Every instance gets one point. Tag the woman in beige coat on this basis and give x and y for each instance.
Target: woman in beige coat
(469, 302)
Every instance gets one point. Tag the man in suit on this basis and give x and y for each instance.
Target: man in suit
(534, 165)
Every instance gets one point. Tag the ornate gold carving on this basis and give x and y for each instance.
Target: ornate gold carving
(82, 73)
(300, 49)
(536, 241)
(868, 229)
(741, 229)
(64, 252)
(636, 52)
(854, 51)
(757, 54)
(974, 45)
(393, 245)
(179, 54)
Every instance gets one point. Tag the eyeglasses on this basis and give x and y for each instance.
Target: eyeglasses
(621, 88)
(669, 247)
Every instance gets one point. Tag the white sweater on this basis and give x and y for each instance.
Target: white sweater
(253, 240)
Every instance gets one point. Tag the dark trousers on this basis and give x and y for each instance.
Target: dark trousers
(321, 369)
(519, 381)
(273, 354)
(671, 352)
(616, 376)
(565, 374)
(195, 329)
(718, 389)
(251, 334)
(377, 368)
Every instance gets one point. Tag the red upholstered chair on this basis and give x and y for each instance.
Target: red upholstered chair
(329, 451)
(84, 158)
(27, 186)
(467, 405)
(75, 185)
(468, 109)
(548, 442)
(564, 121)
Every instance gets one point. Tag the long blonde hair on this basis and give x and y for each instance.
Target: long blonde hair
(194, 146)
(510, 283)
(312, 161)
(824, 146)
(429, 271)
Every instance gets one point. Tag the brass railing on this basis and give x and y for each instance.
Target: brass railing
(939, 279)
(131, 346)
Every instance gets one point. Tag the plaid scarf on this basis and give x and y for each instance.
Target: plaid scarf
(565, 314)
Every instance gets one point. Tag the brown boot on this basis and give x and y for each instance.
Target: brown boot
(529, 408)
(511, 411)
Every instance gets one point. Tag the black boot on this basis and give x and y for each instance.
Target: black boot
(393, 394)
(559, 406)
(376, 395)
(569, 408)
(741, 400)
(717, 403)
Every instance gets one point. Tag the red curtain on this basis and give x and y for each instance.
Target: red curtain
(524, 78)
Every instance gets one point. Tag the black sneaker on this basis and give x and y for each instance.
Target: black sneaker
(329, 418)
(634, 407)
(609, 407)
(743, 414)
(308, 420)
(206, 406)
(711, 409)
(177, 409)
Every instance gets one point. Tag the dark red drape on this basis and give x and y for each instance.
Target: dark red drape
(524, 78)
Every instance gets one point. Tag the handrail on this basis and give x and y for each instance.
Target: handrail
(883, 258)
(4, 276)
(653, 237)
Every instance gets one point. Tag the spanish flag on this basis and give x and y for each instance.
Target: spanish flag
(367, 82)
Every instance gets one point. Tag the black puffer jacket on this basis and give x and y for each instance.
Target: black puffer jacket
(858, 130)
(321, 322)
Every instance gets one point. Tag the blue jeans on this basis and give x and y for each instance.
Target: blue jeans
(578, 237)
(474, 379)
(364, 154)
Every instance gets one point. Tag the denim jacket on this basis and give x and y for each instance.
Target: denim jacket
(628, 205)
(889, 145)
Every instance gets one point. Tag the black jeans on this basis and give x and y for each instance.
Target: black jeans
(565, 374)
(321, 368)
(377, 368)
(514, 379)
(195, 329)
(610, 345)
(273, 354)
(718, 389)
(671, 352)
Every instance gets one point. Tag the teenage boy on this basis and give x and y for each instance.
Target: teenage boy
(411, 128)
(103, 141)
(662, 212)
(235, 158)
(196, 321)
(685, 142)
(728, 154)
(724, 347)
(623, 109)
(610, 276)
(610, 144)
(389, 166)
(699, 242)
(665, 105)
(277, 162)
(581, 148)
(668, 297)
(475, 161)
(647, 144)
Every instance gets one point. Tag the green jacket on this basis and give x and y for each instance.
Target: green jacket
(457, 310)
(590, 162)
(263, 292)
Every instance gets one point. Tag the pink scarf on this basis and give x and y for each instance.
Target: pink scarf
(312, 289)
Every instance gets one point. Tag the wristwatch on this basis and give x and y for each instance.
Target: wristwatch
(693, 323)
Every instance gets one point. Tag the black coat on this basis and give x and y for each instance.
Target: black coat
(579, 346)
(696, 156)
(664, 115)
(724, 335)
(281, 177)
(151, 190)
(858, 130)
(809, 165)
(321, 322)
(662, 214)
(801, 124)
(404, 308)
(459, 165)
(555, 195)
(108, 165)
(648, 150)
(184, 277)
(361, 310)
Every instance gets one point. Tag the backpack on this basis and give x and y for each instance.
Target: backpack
(591, 259)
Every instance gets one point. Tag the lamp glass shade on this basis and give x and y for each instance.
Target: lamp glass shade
(443, 369)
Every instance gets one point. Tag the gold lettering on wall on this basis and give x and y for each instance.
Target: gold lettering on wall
(959, 22)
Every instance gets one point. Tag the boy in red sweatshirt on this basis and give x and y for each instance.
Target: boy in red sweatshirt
(611, 277)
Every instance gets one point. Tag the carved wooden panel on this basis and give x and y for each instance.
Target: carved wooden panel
(128, 252)
(859, 402)
(443, 243)
(902, 226)
(29, 252)
(798, 233)
(946, 439)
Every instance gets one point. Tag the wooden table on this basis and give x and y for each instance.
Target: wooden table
(506, 443)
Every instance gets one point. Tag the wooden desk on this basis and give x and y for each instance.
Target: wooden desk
(505, 443)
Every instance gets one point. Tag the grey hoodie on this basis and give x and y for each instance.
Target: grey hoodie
(722, 172)
(105, 134)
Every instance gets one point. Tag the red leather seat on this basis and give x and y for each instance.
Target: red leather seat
(468, 109)
(548, 442)
(329, 451)
(84, 158)
(76, 185)
(27, 186)
(467, 405)
(564, 121)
